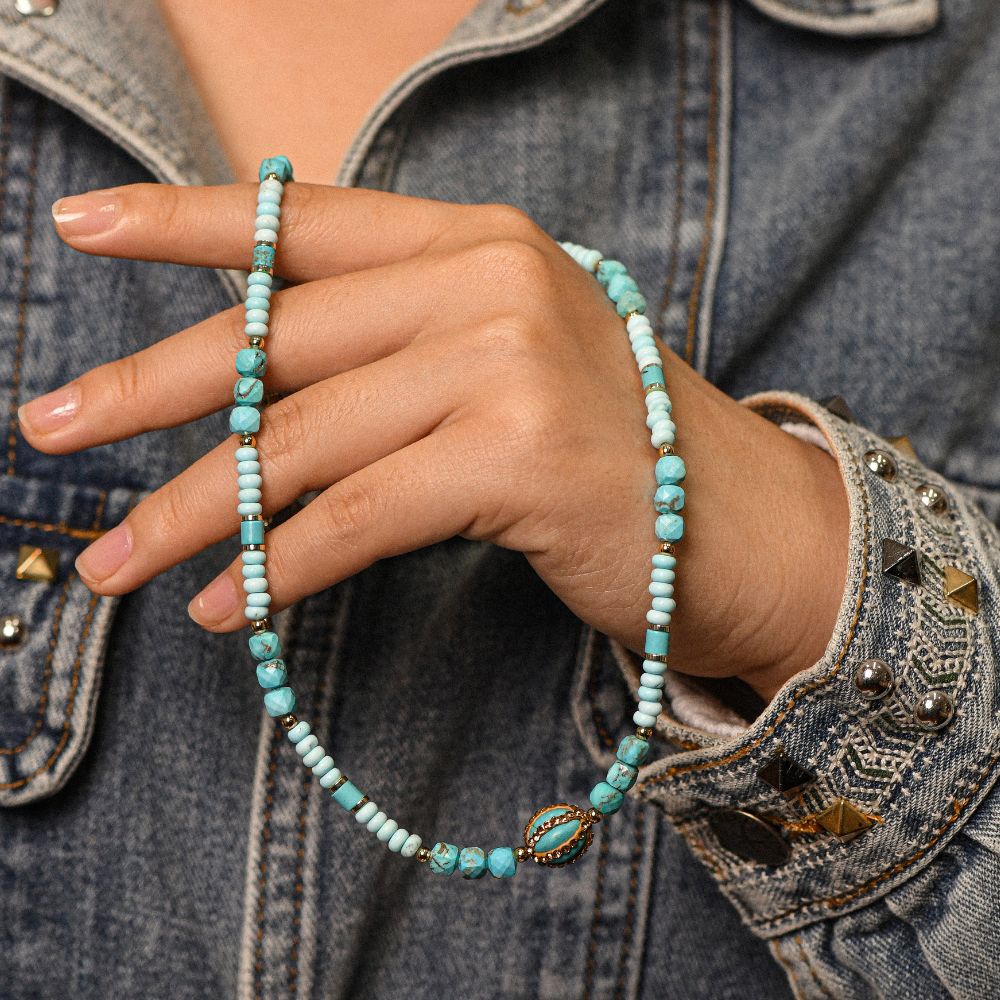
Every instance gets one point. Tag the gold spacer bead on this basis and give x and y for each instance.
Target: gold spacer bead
(248, 440)
(272, 176)
(595, 815)
(260, 269)
(644, 733)
(657, 628)
(522, 854)
(423, 855)
(253, 517)
(667, 548)
(360, 804)
(261, 625)
(265, 243)
(657, 657)
(259, 547)
(256, 341)
(289, 721)
(665, 449)
(655, 386)
(342, 780)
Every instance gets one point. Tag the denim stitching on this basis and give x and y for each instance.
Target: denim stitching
(590, 967)
(88, 534)
(633, 895)
(264, 867)
(789, 970)
(812, 971)
(22, 294)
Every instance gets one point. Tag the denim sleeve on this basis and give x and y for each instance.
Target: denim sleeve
(853, 823)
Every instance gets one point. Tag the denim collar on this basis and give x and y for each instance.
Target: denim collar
(113, 63)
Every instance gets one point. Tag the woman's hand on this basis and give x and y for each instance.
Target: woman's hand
(447, 369)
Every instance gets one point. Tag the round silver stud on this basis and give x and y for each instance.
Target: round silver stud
(933, 710)
(36, 8)
(932, 498)
(11, 631)
(873, 679)
(881, 463)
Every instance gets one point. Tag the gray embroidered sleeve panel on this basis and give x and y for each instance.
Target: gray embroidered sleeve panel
(852, 823)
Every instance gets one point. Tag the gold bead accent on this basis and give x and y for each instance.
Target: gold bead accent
(423, 855)
(253, 517)
(261, 625)
(654, 386)
(256, 340)
(260, 547)
(656, 657)
(342, 780)
(360, 804)
(522, 854)
(657, 628)
(272, 176)
(289, 721)
(667, 548)
(665, 449)
(248, 440)
(644, 733)
(595, 815)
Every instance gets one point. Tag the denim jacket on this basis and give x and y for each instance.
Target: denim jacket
(806, 191)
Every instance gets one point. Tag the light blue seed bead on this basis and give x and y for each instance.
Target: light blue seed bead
(248, 468)
(251, 532)
(648, 694)
(250, 481)
(665, 604)
(252, 585)
(377, 822)
(331, 777)
(260, 278)
(265, 236)
(501, 862)
(591, 259)
(630, 302)
(410, 846)
(389, 828)
(257, 316)
(606, 798)
(244, 420)
(655, 416)
(472, 862)
(622, 776)
(280, 701)
(255, 329)
(266, 221)
(348, 795)
(257, 302)
(304, 746)
(641, 342)
(262, 293)
(670, 527)
(654, 681)
(650, 707)
(246, 454)
(657, 642)
(661, 589)
(663, 433)
(247, 508)
(643, 720)
(271, 674)
(313, 757)
(251, 361)
(663, 575)
(256, 558)
(255, 614)
(253, 572)
(299, 731)
(264, 645)
(323, 767)
(633, 750)
(444, 858)
(266, 205)
(662, 561)
(397, 840)
(654, 667)
(249, 495)
(261, 600)
(655, 617)
(365, 813)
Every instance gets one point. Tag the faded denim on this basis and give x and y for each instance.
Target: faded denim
(805, 189)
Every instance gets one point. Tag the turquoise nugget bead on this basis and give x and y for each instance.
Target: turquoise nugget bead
(280, 701)
(630, 302)
(606, 798)
(668, 498)
(263, 256)
(251, 361)
(248, 391)
(501, 862)
(280, 166)
(619, 284)
(444, 858)
(651, 374)
(348, 795)
(472, 862)
(657, 642)
(670, 527)
(265, 645)
(670, 469)
(608, 269)
(251, 532)
(622, 776)
(633, 750)
(244, 420)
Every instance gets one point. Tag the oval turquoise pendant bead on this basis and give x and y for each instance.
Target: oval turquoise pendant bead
(251, 361)
(280, 701)
(272, 673)
(265, 645)
(444, 858)
(606, 798)
(558, 834)
(472, 862)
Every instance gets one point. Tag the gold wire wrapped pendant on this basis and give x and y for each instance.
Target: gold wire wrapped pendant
(557, 835)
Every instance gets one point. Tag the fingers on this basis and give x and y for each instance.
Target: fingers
(411, 498)
(309, 439)
(324, 230)
(319, 330)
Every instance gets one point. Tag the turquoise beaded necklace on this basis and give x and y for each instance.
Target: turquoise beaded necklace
(555, 835)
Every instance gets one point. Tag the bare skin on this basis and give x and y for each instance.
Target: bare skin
(325, 63)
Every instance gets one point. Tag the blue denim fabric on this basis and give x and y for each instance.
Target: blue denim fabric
(807, 210)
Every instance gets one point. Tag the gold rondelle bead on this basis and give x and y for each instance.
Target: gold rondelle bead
(360, 804)
(289, 721)
(423, 855)
(248, 440)
(654, 386)
(595, 815)
(261, 625)
(522, 854)
(340, 781)
(644, 733)
(667, 548)
(665, 449)
(256, 340)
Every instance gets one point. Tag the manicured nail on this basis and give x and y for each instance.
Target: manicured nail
(86, 214)
(49, 412)
(107, 555)
(216, 602)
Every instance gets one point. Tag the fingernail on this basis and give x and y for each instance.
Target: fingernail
(86, 214)
(107, 555)
(46, 413)
(216, 602)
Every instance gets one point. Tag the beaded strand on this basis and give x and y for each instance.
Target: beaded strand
(555, 835)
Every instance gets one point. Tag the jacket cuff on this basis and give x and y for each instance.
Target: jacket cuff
(858, 772)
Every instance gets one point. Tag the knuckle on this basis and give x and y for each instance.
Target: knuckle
(350, 512)
(508, 220)
(121, 382)
(514, 262)
(284, 427)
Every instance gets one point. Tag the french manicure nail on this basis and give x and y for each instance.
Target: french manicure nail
(216, 602)
(86, 214)
(49, 412)
(107, 555)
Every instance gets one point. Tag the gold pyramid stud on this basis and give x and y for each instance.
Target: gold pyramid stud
(961, 589)
(904, 446)
(843, 820)
(34, 563)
